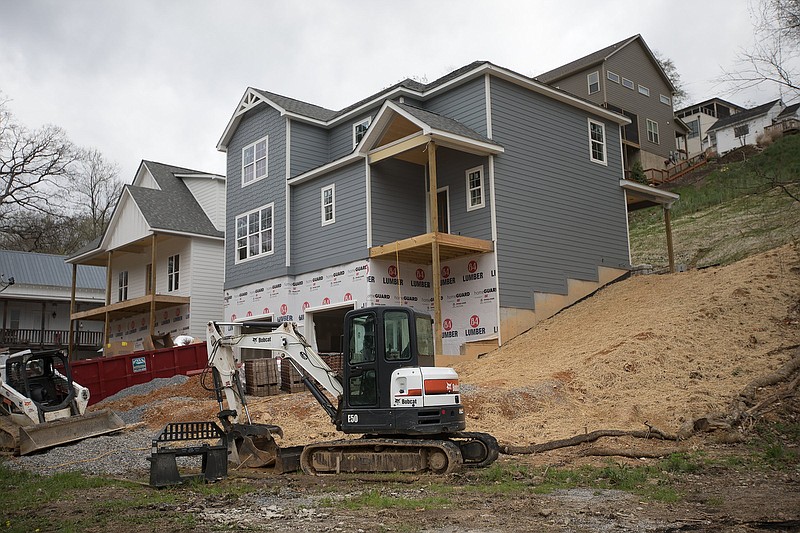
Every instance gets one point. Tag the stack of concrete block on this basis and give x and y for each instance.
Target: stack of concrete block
(261, 377)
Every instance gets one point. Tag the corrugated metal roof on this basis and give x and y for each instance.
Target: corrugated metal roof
(30, 268)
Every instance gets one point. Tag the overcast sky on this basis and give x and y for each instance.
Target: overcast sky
(159, 79)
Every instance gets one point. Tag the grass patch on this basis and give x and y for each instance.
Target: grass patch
(33, 502)
(374, 499)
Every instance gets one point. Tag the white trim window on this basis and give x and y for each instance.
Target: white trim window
(612, 76)
(360, 129)
(664, 99)
(328, 203)
(254, 161)
(644, 90)
(593, 81)
(173, 273)
(628, 84)
(254, 233)
(123, 286)
(652, 131)
(476, 198)
(597, 142)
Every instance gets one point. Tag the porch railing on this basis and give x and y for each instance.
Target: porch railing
(791, 124)
(48, 337)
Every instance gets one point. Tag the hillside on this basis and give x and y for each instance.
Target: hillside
(658, 349)
(734, 207)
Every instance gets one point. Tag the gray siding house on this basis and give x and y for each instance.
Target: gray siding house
(625, 77)
(486, 198)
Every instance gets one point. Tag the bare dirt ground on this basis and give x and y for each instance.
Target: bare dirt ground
(650, 351)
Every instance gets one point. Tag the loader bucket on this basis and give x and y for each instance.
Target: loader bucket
(75, 428)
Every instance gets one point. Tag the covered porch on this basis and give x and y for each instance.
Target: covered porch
(138, 256)
(443, 171)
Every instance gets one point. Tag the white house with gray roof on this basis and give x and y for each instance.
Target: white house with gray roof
(163, 251)
(744, 127)
(486, 198)
(35, 302)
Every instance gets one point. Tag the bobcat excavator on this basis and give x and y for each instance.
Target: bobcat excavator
(41, 407)
(407, 411)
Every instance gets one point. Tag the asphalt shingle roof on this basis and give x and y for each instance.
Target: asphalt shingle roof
(443, 123)
(790, 111)
(28, 268)
(743, 116)
(582, 63)
(174, 207)
(320, 113)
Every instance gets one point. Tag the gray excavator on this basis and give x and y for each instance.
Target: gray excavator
(41, 407)
(406, 410)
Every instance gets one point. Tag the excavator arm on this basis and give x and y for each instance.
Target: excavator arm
(280, 337)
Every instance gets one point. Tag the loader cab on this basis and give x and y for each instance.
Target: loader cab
(35, 376)
(377, 341)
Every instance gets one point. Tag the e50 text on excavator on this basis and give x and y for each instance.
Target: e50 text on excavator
(407, 410)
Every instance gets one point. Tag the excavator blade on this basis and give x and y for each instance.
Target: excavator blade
(75, 428)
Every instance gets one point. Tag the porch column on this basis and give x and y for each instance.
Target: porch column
(668, 229)
(108, 300)
(436, 277)
(71, 345)
(153, 285)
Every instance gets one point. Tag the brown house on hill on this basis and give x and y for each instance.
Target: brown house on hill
(626, 77)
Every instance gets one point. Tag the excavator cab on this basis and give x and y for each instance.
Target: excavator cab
(387, 350)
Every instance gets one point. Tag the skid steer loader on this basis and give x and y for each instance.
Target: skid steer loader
(41, 407)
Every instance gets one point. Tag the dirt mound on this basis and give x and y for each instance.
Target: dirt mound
(658, 349)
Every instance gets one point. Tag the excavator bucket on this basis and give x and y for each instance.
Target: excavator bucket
(75, 428)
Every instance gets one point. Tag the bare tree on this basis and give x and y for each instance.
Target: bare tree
(96, 189)
(775, 54)
(33, 166)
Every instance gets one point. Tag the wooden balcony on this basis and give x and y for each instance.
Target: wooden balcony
(791, 125)
(131, 307)
(419, 249)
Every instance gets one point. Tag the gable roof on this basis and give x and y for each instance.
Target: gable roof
(595, 58)
(28, 268)
(744, 116)
(171, 208)
(328, 118)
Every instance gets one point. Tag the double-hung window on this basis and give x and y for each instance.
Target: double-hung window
(652, 131)
(360, 129)
(254, 161)
(254, 235)
(593, 81)
(123, 286)
(475, 195)
(597, 142)
(328, 199)
(173, 272)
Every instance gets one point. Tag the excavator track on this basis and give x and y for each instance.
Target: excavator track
(381, 455)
